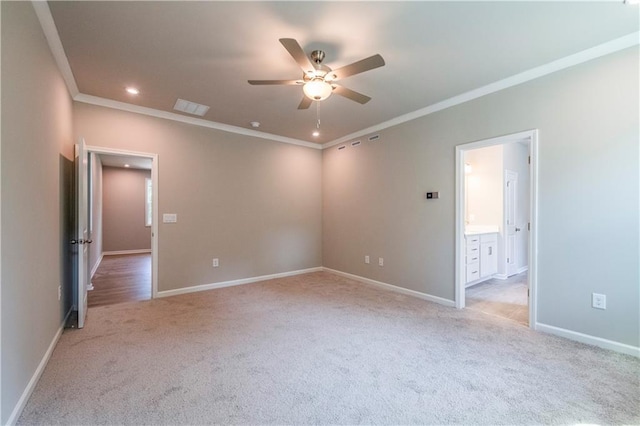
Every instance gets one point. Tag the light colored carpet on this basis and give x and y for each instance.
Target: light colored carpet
(322, 349)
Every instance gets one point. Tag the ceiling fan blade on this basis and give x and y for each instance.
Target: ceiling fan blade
(305, 103)
(294, 49)
(350, 94)
(286, 82)
(363, 65)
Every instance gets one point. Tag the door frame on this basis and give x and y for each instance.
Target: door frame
(532, 137)
(154, 223)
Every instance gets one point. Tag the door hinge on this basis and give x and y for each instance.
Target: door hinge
(529, 159)
(529, 226)
(528, 293)
(507, 260)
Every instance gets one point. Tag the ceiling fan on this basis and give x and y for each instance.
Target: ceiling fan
(318, 80)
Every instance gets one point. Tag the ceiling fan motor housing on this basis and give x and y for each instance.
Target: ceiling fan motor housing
(317, 56)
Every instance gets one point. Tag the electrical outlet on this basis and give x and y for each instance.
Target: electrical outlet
(216, 263)
(598, 301)
(380, 261)
(59, 292)
(367, 260)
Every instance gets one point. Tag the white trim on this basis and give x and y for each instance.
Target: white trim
(121, 252)
(590, 340)
(17, 410)
(522, 269)
(222, 284)
(53, 38)
(394, 288)
(523, 77)
(532, 137)
(108, 103)
(95, 267)
(154, 226)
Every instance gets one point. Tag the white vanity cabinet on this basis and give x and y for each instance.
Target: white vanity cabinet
(481, 257)
(488, 255)
(472, 257)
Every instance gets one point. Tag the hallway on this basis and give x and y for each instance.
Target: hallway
(121, 278)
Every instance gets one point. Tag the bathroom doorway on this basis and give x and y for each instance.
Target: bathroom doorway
(495, 226)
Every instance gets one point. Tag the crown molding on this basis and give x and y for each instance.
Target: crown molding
(123, 106)
(604, 49)
(53, 38)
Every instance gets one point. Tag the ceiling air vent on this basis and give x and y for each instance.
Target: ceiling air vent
(374, 138)
(341, 147)
(356, 143)
(190, 107)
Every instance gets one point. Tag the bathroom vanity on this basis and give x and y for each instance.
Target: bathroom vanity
(481, 254)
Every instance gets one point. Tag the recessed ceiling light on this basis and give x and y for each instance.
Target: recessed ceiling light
(132, 90)
(316, 133)
(126, 165)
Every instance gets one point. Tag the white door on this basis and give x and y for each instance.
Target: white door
(510, 202)
(82, 240)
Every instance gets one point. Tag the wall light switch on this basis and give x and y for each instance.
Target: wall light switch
(367, 260)
(216, 263)
(432, 195)
(169, 218)
(380, 261)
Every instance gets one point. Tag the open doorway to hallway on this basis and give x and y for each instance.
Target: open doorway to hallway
(121, 222)
(495, 217)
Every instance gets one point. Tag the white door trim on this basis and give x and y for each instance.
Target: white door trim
(532, 137)
(154, 226)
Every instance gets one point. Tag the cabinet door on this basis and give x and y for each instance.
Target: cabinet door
(488, 260)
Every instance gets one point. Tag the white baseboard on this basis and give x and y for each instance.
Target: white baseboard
(95, 267)
(222, 284)
(500, 276)
(523, 269)
(119, 252)
(394, 288)
(17, 410)
(590, 340)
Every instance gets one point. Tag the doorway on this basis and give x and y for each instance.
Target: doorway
(496, 205)
(123, 224)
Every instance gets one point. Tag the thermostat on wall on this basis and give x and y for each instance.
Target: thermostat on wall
(432, 195)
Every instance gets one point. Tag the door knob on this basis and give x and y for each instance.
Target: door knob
(517, 229)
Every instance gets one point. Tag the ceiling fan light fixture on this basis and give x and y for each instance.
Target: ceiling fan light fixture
(317, 89)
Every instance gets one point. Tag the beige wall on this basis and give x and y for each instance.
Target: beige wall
(37, 171)
(588, 118)
(123, 209)
(252, 203)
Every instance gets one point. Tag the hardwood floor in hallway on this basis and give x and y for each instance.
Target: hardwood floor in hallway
(121, 278)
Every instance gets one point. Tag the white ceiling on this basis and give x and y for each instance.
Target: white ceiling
(206, 51)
